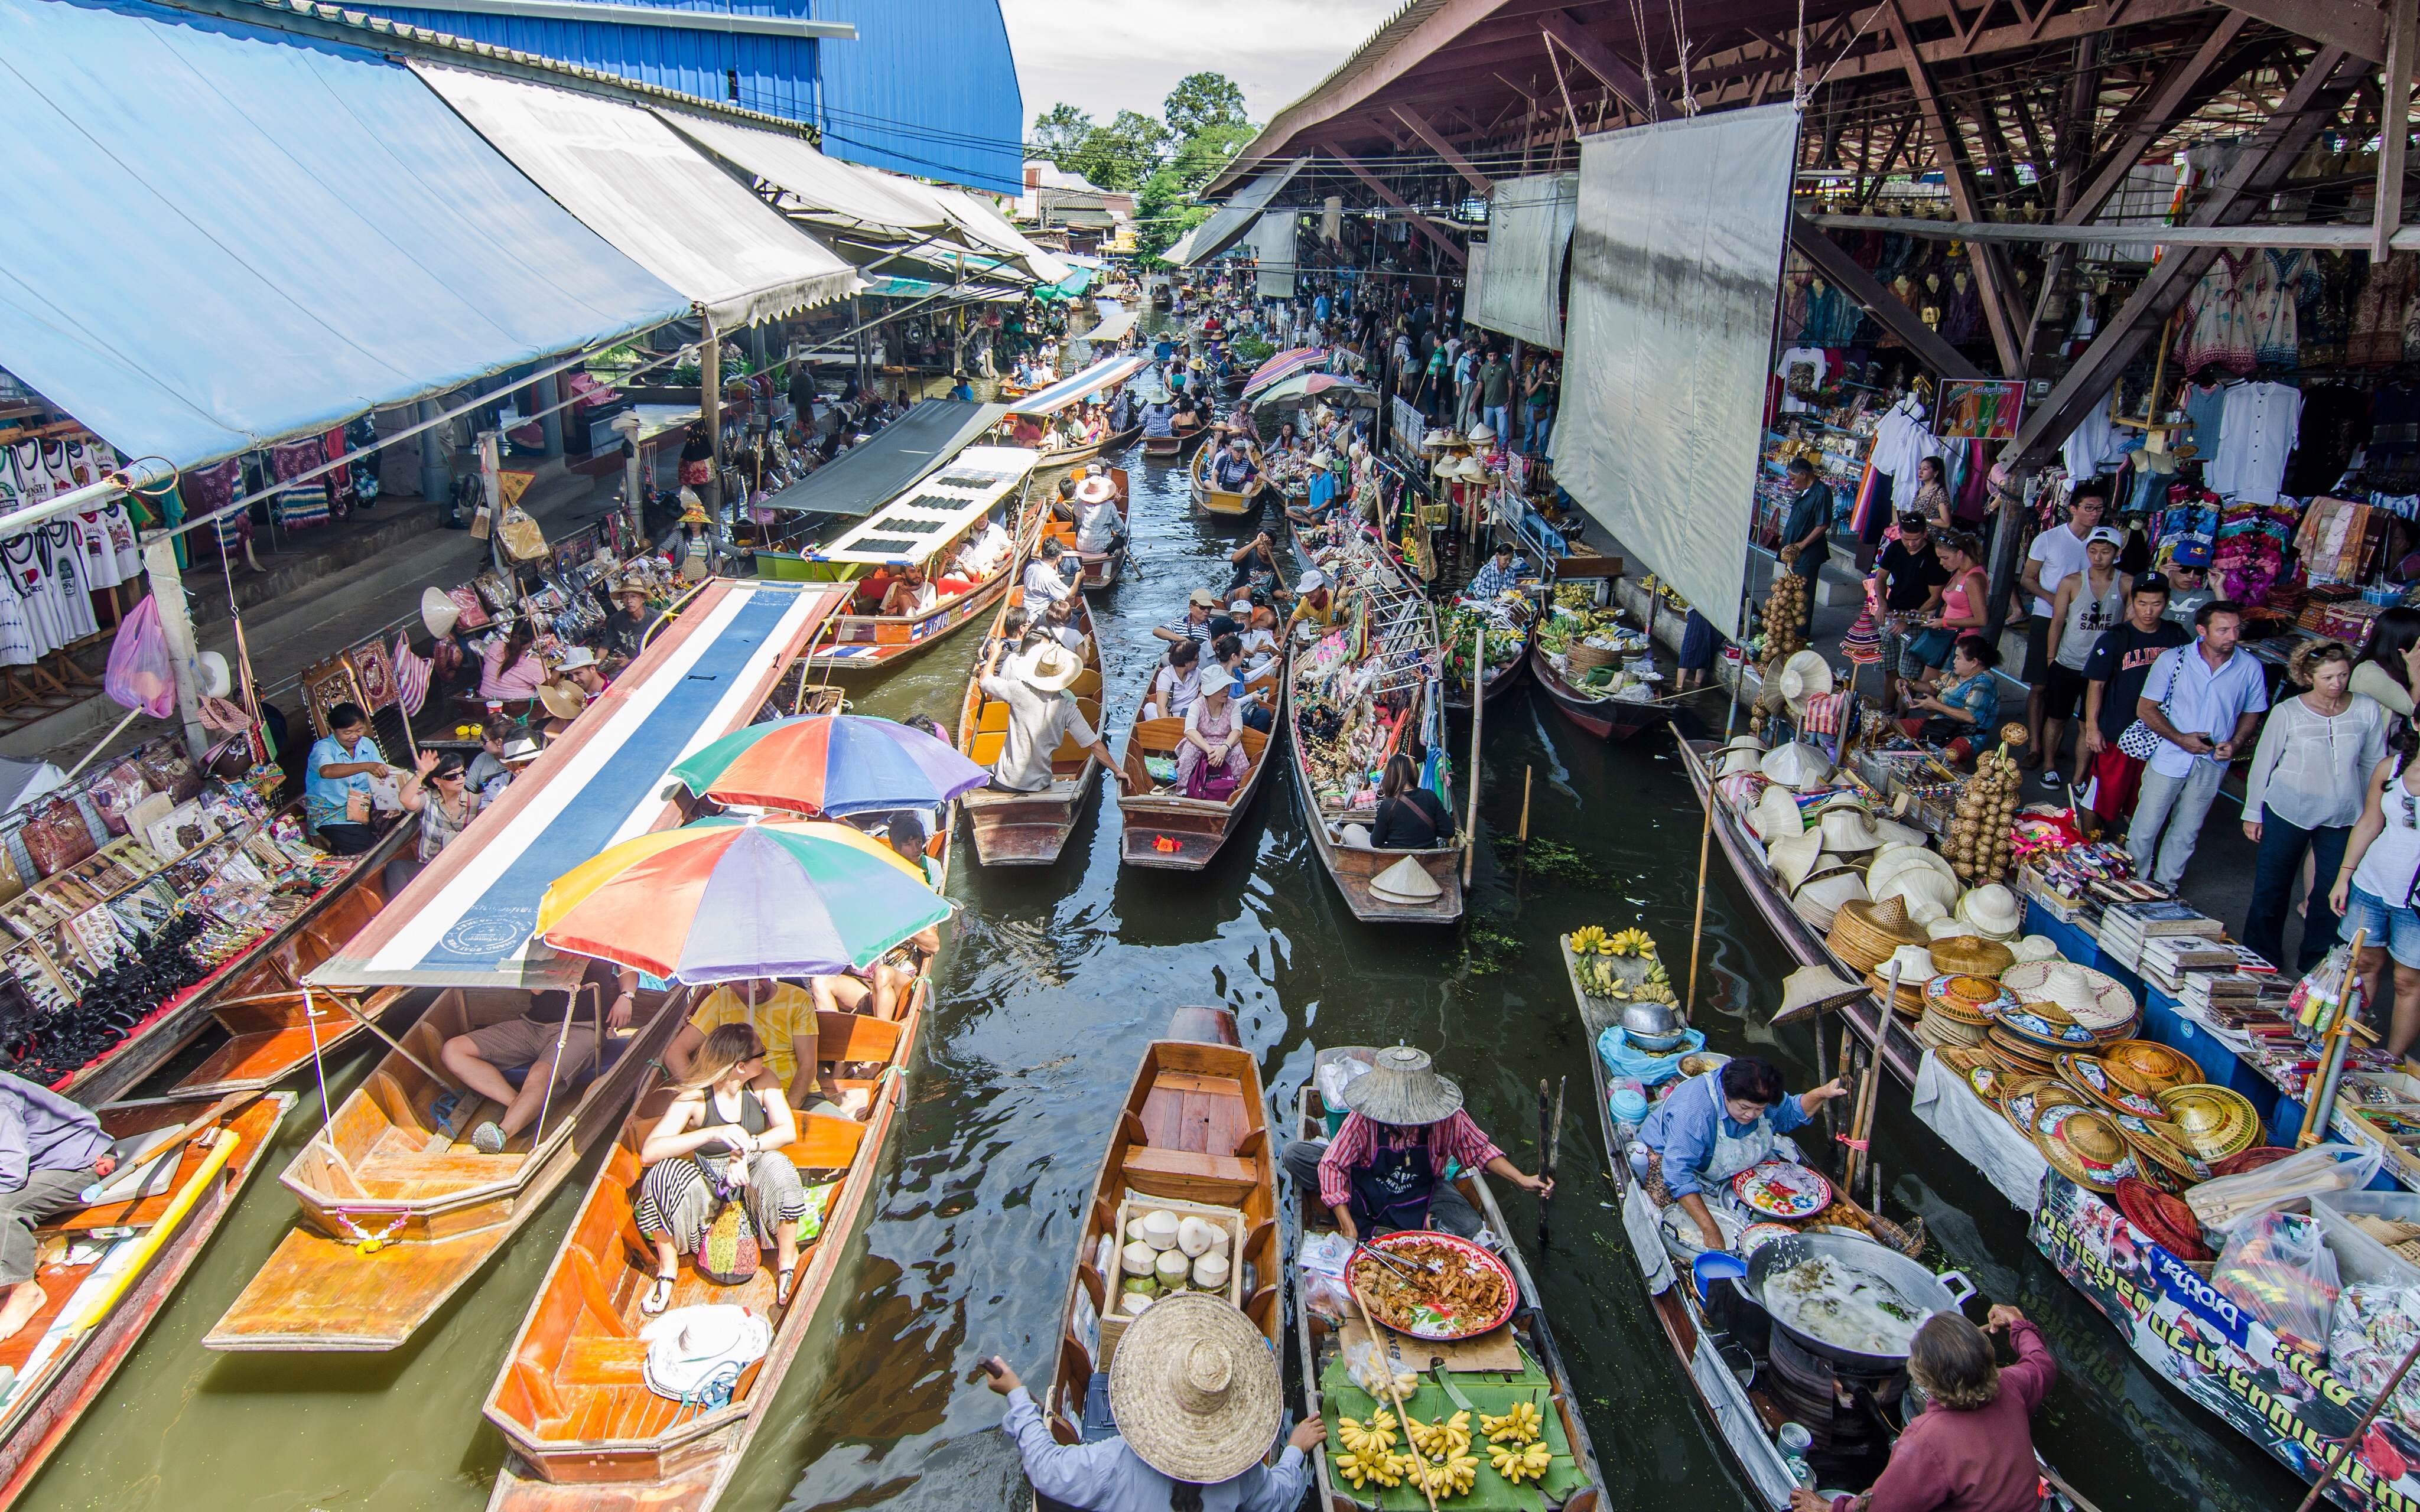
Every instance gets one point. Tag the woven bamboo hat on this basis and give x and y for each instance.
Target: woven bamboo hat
(1195, 1389)
(439, 612)
(1794, 857)
(1796, 765)
(562, 700)
(2084, 1144)
(1971, 955)
(2094, 999)
(1403, 1088)
(2210, 1121)
(1407, 882)
(1833, 883)
(1810, 990)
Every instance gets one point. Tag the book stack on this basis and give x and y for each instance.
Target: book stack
(2127, 925)
(2167, 959)
(2226, 997)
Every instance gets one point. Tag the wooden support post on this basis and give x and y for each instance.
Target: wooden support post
(2394, 127)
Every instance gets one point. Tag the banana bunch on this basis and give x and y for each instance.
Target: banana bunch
(1450, 1476)
(1598, 977)
(1656, 975)
(1591, 940)
(1444, 1436)
(1517, 1426)
(1632, 942)
(1376, 1467)
(1374, 1438)
(1528, 1462)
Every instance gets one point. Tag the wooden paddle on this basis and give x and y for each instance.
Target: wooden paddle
(1386, 1368)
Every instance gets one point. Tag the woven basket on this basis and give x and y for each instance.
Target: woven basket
(1584, 657)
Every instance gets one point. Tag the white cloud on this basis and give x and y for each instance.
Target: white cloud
(1106, 55)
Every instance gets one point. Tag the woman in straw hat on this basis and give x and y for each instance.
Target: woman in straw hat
(1385, 1168)
(1714, 1126)
(1972, 1450)
(1192, 1404)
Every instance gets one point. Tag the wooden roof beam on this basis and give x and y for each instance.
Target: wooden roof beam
(1420, 223)
(1990, 277)
(1443, 148)
(2357, 28)
(1625, 82)
(2151, 116)
(1833, 261)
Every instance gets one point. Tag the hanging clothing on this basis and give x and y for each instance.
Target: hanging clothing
(2255, 435)
(1832, 318)
(1962, 318)
(54, 462)
(99, 558)
(2094, 444)
(1901, 440)
(2335, 423)
(2326, 308)
(2203, 405)
(2281, 278)
(32, 479)
(2379, 309)
(2215, 333)
(29, 575)
(60, 539)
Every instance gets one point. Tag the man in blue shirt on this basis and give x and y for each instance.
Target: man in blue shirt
(50, 1151)
(961, 390)
(2204, 702)
(1713, 1127)
(1803, 547)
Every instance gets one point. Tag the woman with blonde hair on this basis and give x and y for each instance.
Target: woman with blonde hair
(2302, 794)
(720, 1141)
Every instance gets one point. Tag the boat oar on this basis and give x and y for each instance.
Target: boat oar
(1550, 1143)
(1386, 1368)
(221, 1150)
(2376, 1401)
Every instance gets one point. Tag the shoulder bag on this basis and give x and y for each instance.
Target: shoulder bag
(2140, 740)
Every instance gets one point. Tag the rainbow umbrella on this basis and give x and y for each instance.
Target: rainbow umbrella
(726, 898)
(829, 763)
(1291, 360)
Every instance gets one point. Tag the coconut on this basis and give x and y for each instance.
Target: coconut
(1133, 1304)
(1173, 1268)
(1219, 1239)
(1159, 1229)
(1193, 1236)
(1142, 1284)
(1134, 1229)
(1139, 1258)
(1210, 1272)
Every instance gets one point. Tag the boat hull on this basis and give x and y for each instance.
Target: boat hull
(1614, 720)
(872, 643)
(1115, 442)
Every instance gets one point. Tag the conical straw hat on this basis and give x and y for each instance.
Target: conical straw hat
(1776, 816)
(1810, 990)
(1796, 765)
(1195, 1390)
(1793, 856)
(1401, 1087)
(1407, 882)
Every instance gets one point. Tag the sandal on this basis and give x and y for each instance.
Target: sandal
(659, 1296)
(782, 1280)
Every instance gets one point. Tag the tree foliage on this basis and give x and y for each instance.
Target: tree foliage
(1059, 133)
(1202, 101)
(1121, 155)
(1163, 164)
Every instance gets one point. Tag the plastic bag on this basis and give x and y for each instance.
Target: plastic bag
(2316, 999)
(2277, 1266)
(140, 674)
(2230, 1200)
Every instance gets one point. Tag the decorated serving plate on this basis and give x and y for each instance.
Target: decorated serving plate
(1782, 1188)
(1471, 1293)
(1756, 1236)
(2089, 1075)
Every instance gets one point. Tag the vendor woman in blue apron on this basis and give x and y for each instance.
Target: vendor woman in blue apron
(1386, 1168)
(1713, 1127)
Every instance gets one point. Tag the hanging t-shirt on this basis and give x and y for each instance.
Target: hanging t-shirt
(60, 539)
(1800, 371)
(29, 574)
(2093, 446)
(32, 479)
(100, 558)
(2203, 407)
(2255, 435)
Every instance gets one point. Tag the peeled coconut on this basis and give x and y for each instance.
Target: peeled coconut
(1159, 1229)
(1193, 1236)
(1133, 1304)
(1134, 1229)
(1139, 1258)
(1219, 1239)
(1173, 1268)
(1210, 1272)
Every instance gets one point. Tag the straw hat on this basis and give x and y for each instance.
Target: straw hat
(1865, 933)
(562, 700)
(1744, 743)
(2089, 1074)
(1407, 882)
(1810, 990)
(1891, 860)
(1971, 955)
(213, 677)
(1052, 668)
(439, 612)
(2085, 1145)
(1847, 830)
(1438, 438)
(2148, 1066)
(1924, 889)
(1994, 911)
(1804, 675)
(1402, 1089)
(1194, 1389)
(2033, 947)
(1796, 765)
(1916, 968)
(1832, 884)
(1096, 491)
(1795, 855)
(2095, 999)
(1481, 436)
(1776, 816)
(2211, 1121)
(1736, 763)
(1895, 833)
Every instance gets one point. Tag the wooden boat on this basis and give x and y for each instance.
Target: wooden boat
(395, 1170)
(1212, 499)
(184, 1160)
(1498, 682)
(1114, 441)
(1100, 567)
(1318, 1340)
(1166, 830)
(1176, 444)
(1607, 718)
(254, 1001)
(1194, 1130)
(582, 1427)
(1028, 828)
(923, 525)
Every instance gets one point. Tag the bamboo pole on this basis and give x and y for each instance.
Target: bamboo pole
(1477, 707)
(2323, 1089)
(1384, 1368)
(1526, 773)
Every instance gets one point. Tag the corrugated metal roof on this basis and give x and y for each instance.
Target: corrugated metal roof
(889, 98)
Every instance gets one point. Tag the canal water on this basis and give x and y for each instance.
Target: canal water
(1053, 982)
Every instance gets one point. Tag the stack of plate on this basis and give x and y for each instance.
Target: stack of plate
(1865, 933)
(2212, 1122)
(1958, 1009)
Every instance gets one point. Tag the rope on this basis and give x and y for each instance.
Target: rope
(1681, 45)
(1798, 70)
(1646, 64)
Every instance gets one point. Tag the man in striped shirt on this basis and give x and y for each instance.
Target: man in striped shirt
(1386, 1167)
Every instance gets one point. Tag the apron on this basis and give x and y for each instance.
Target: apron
(1730, 1156)
(1392, 1191)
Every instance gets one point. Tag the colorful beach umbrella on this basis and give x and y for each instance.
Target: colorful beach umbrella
(1294, 359)
(1303, 384)
(829, 763)
(724, 899)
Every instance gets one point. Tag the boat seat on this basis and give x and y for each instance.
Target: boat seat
(1183, 1167)
(844, 1036)
(994, 716)
(597, 1360)
(987, 747)
(1087, 685)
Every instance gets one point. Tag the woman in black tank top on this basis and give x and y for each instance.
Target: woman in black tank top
(727, 1127)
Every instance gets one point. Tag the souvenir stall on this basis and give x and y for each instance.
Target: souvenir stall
(61, 592)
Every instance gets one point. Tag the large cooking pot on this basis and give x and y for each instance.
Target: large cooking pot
(1918, 1286)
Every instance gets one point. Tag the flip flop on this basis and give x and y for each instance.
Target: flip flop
(660, 1295)
(782, 1280)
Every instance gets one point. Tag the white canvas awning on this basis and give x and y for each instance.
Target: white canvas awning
(1528, 226)
(642, 186)
(988, 226)
(1236, 219)
(824, 188)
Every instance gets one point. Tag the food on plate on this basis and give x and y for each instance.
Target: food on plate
(1459, 1287)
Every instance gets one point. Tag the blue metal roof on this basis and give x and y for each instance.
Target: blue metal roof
(890, 99)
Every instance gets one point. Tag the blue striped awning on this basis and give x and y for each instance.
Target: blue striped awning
(1082, 385)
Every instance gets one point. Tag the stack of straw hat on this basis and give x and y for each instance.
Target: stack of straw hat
(1864, 934)
(1958, 1009)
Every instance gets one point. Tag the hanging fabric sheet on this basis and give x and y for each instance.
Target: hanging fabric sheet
(302, 505)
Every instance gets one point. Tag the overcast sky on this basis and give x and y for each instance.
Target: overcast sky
(1106, 55)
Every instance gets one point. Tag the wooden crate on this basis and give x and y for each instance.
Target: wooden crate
(1134, 1205)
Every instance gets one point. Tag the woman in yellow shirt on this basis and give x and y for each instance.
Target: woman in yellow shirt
(783, 1017)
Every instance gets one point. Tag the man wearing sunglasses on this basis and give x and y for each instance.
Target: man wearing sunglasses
(2204, 702)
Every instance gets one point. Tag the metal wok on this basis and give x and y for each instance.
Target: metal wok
(1919, 1288)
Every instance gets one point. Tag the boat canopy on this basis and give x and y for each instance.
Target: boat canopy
(467, 919)
(899, 454)
(1082, 385)
(936, 510)
(1113, 326)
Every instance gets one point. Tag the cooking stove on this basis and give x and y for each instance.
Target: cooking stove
(1837, 1404)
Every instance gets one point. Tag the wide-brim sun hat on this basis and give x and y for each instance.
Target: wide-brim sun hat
(1895, 833)
(1194, 1389)
(1804, 675)
(1403, 1088)
(1820, 898)
(1810, 990)
(1847, 830)
(1096, 491)
(2095, 999)
(1736, 763)
(1776, 816)
(1743, 742)
(1994, 911)
(1891, 860)
(2033, 947)
(1795, 765)
(439, 612)
(1052, 668)
(562, 700)
(1406, 883)
(1917, 886)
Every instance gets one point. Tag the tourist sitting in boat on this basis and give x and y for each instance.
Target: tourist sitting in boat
(1315, 606)
(1177, 683)
(1195, 627)
(1712, 1127)
(1972, 1448)
(1159, 419)
(510, 668)
(987, 550)
(908, 836)
(1386, 1168)
(438, 790)
(1210, 759)
(1289, 440)
(1058, 622)
(1226, 664)
(1197, 1402)
(910, 593)
(581, 669)
(338, 778)
(550, 1038)
(1096, 426)
(962, 389)
(1961, 715)
(626, 627)
(50, 1151)
(1408, 816)
(720, 1141)
(1046, 578)
(781, 1013)
(1501, 574)
(489, 771)
(1098, 525)
(1189, 410)
(1256, 566)
(1041, 715)
(1259, 634)
(1235, 471)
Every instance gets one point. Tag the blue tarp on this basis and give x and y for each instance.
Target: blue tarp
(227, 236)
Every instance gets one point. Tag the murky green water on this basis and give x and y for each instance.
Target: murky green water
(1053, 983)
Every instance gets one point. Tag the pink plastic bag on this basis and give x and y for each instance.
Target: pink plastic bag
(140, 675)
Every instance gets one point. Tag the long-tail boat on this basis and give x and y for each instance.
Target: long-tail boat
(1028, 828)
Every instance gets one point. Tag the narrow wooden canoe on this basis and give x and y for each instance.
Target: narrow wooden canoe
(1499, 682)
(1607, 718)
(1175, 445)
(104, 1293)
(1166, 830)
(1028, 828)
(1116, 440)
(1213, 500)
(1318, 1340)
(389, 1168)
(583, 1430)
(1194, 1130)
(1100, 567)
(1352, 866)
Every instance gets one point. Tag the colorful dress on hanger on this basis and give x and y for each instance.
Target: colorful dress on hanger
(302, 505)
(2281, 279)
(209, 489)
(2378, 312)
(2215, 333)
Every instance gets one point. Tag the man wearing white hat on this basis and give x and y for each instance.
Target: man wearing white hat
(1187, 1409)
(1315, 604)
(1040, 714)
(1385, 1168)
(1099, 528)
